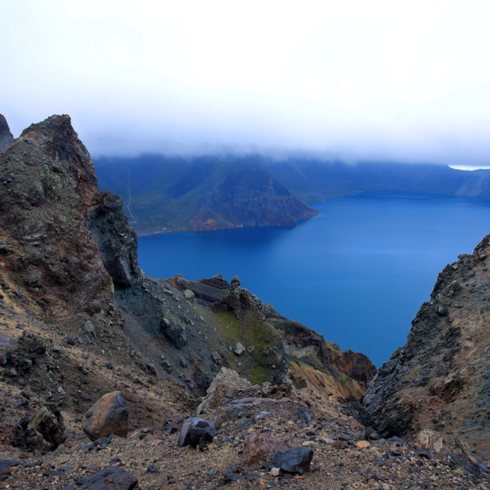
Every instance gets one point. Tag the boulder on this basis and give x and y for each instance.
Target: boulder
(196, 431)
(177, 334)
(109, 415)
(188, 294)
(296, 460)
(226, 380)
(110, 478)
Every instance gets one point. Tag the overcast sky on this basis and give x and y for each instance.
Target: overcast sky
(404, 80)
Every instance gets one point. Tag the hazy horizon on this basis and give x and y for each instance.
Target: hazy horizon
(352, 81)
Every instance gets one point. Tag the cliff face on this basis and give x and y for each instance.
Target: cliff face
(440, 378)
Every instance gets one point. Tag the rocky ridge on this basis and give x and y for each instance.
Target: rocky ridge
(440, 378)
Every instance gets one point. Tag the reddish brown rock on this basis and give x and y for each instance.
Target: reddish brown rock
(108, 416)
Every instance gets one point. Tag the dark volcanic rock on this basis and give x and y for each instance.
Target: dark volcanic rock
(6, 137)
(110, 478)
(48, 183)
(296, 460)
(177, 334)
(195, 430)
(119, 246)
(207, 290)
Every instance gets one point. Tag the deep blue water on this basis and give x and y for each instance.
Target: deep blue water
(357, 273)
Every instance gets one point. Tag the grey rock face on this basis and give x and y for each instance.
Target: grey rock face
(118, 243)
(296, 460)
(6, 137)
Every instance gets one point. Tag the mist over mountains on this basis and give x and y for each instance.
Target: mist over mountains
(219, 192)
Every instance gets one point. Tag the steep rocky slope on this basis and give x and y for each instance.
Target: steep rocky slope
(440, 379)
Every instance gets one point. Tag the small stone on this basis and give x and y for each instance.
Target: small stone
(238, 349)
(363, 444)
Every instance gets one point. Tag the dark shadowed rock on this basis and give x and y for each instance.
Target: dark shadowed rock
(195, 430)
(108, 416)
(119, 248)
(48, 421)
(5, 135)
(177, 334)
(110, 478)
(295, 460)
(305, 415)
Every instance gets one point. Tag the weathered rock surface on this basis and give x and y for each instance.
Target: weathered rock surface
(316, 362)
(226, 382)
(48, 421)
(119, 246)
(108, 416)
(448, 445)
(6, 137)
(440, 378)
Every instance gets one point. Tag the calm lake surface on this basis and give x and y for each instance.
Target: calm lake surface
(357, 273)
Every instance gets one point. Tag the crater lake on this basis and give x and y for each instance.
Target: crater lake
(357, 273)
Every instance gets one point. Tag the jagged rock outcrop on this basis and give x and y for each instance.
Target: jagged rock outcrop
(440, 378)
(206, 290)
(6, 137)
(47, 177)
(49, 200)
(315, 362)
